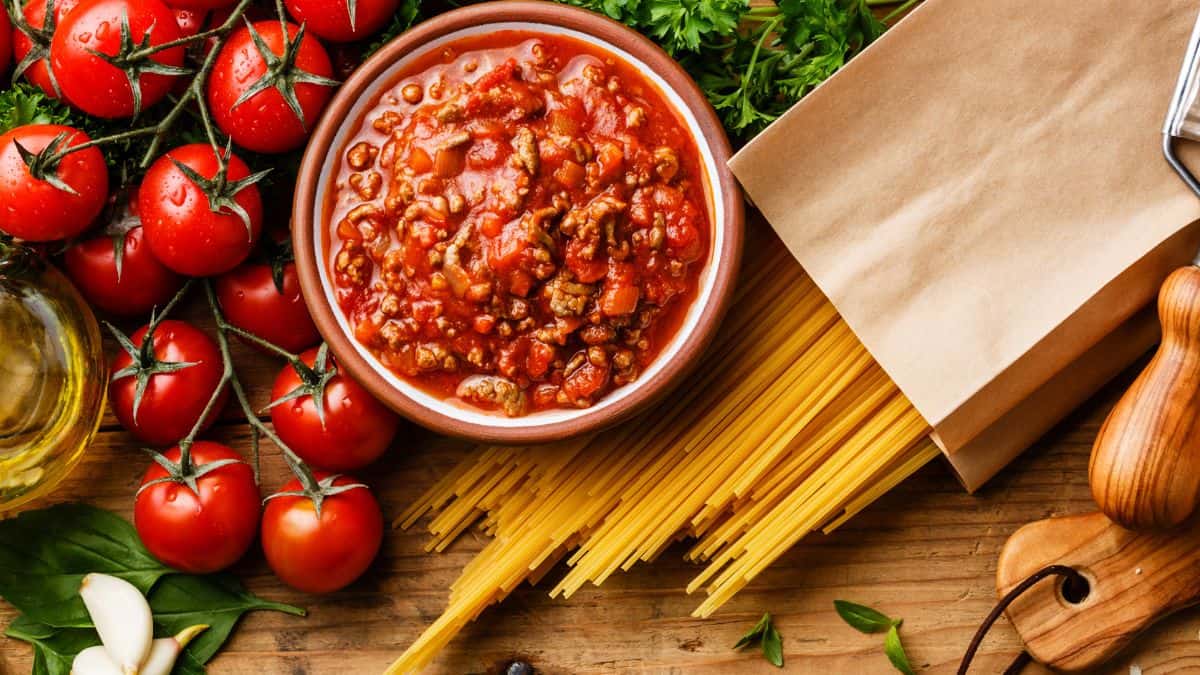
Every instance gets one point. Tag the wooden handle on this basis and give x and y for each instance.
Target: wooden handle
(1145, 466)
(1134, 579)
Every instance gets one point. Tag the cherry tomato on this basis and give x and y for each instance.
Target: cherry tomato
(172, 401)
(357, 429)
(252, 302)
(202, 5)
(330, 19)
(204, 531)
(93, 29)
(190, 21)
(142, 282)
(183, 230)
(6, 31)
(34, 209)
(38, 72)
(322, 555)
(264, 122)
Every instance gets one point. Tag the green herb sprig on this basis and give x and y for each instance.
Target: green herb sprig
(753, 63)
(768, 638)
(867, 620)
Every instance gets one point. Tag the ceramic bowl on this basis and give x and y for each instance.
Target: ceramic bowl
(381, 72)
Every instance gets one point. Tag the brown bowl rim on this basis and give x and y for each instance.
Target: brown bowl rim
(728, 259)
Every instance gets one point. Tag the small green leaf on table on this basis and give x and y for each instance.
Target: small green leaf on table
(863, 618)
(867, 620)
(769, 639)
(895, 652)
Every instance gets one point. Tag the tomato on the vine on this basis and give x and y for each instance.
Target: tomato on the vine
(357, 428)
(38, 71)
(96, 29)
(330, 19)
(181, 368)
(326, 553)
(6, 31)
(203, 5)
(257, 98)
(206, 530)
(45, 200)
(130, 284)
(273, 309)
(197, 221)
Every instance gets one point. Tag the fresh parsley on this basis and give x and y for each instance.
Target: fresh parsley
(753, 63)
(768, 638)
(867, 620)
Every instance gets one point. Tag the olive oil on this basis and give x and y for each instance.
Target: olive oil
(52, 377)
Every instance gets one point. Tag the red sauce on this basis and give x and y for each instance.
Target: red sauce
(520, 222)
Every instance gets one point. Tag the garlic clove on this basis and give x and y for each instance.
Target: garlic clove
(164, 651)
(122, 618)
(94, 661)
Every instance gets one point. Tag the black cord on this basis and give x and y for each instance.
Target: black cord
(1071, 577)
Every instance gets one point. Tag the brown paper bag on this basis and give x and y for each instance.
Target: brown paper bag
(982, 195)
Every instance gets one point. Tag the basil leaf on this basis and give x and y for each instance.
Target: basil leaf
(218, 600)
(754, 633)
(772, 646)
(895, 652)
(862, 618)
(53, 648)
(45, 554)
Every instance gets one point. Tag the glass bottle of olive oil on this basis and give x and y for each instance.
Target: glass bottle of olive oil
(52, 376)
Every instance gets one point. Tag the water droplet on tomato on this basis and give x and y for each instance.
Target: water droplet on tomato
(171, 495)
(85, 36)
(298, 408)
(178, 196)
(102, 30)
(346, 402)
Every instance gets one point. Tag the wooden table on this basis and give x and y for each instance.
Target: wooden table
(925, 552)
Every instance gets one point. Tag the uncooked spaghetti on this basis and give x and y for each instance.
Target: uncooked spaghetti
(788, 426)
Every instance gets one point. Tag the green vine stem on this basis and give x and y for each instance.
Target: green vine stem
(193, 94)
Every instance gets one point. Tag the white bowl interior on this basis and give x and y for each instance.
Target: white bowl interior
(455, 409)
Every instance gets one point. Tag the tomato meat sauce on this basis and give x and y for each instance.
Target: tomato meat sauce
(519, 223)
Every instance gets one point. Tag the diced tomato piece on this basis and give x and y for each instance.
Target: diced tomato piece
(585, 382)
(586, 271)
(541, 355)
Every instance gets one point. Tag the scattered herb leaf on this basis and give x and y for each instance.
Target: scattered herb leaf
(867, 620)
(895, 652)
(863, 618)
(769, 639)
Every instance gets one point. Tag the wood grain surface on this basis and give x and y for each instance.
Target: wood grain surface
(926, 552)
(1133, 579)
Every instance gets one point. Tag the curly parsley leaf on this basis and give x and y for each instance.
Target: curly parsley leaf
(26, 104)
(406, 15)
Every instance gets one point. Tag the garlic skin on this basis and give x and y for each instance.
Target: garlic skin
(94, 661)
(164, 651)
(122, 618)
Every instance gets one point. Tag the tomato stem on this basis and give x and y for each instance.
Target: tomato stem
(193, 94)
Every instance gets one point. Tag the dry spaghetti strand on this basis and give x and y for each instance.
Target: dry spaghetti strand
(787, 427)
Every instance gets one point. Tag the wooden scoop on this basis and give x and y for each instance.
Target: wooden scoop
(1134, 579)
(1145, 466)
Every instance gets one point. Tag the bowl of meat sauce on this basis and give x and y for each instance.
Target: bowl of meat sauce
(515, 224)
